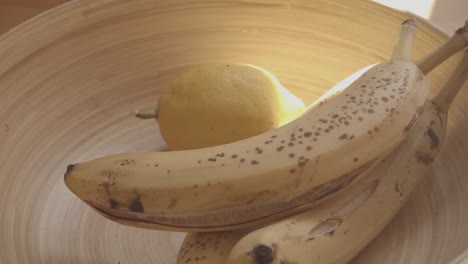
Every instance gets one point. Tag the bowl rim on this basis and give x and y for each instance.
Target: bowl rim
(30, 21)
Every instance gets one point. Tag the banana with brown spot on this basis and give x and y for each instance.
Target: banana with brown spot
(352, 219)
(268, 176)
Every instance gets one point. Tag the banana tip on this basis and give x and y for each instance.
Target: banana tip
(412, 21)
(69, 170)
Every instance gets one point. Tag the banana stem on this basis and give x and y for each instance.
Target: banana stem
(455, 82)
(456, 43)
(404, 45)
(148, 114)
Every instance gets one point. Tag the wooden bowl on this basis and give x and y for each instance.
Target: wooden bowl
(461, 259)
(71, 78)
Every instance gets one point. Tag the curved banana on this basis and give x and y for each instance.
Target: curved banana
(274, 174)
(337, 230)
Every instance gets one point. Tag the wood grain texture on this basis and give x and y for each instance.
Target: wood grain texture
(71, 78)
(14, 12)
(461, 259)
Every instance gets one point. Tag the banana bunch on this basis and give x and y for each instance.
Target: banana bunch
(336, 174)
(353, 218)
(268, 176)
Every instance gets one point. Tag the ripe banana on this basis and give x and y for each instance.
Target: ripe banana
(270, 175)
(337, 230)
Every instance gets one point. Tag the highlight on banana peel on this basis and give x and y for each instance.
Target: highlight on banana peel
(257, 177)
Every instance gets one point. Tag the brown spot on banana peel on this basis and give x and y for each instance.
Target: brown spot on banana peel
(398, 189)
(433, 137)
(113, 203)
(136, 206)
(424, 158)
(436, 106)
(263, 254)
(172, 204)
(125, 218)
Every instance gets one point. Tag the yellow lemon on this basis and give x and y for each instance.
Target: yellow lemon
(215, 104)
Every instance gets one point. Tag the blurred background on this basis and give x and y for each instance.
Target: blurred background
(445, 14)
